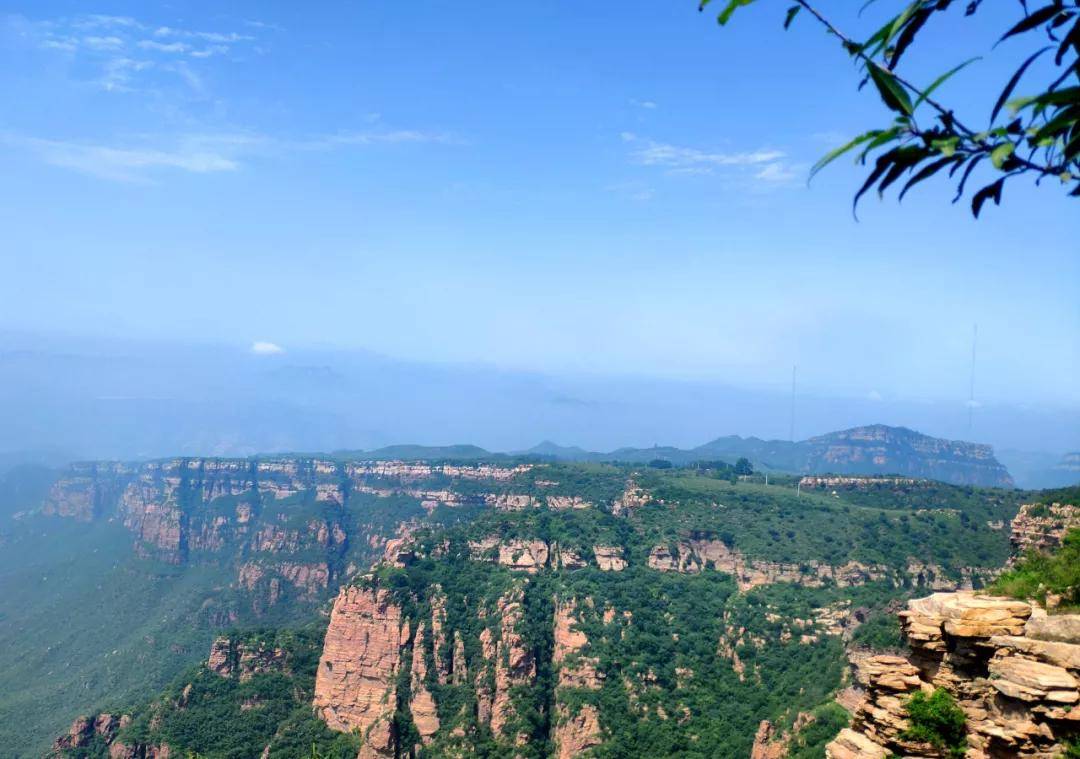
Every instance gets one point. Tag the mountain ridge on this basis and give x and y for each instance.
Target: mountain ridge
(869, 449)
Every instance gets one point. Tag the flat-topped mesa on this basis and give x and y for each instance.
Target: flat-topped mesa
(879, 448)
(177, 507)
(1013, 671)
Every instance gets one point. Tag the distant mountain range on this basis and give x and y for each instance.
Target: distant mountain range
(874, 449)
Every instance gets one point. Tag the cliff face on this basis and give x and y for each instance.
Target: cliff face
(369, 642)
(698, 554)
(284, 524)
(356, 683)
(1013, 670)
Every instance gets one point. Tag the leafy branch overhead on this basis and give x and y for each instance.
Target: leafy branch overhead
(1036, 134)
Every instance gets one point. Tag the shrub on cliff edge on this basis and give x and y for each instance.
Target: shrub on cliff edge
(1038, 574)
(937, 720)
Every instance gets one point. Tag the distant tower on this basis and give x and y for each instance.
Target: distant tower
(971, 389)
(791, 428)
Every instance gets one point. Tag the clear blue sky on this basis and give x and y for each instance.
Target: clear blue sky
(604, 187)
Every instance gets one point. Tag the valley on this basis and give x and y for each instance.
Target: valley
(508, 607)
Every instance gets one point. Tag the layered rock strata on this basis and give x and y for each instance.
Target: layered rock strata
(1013, 670)
(356, 682)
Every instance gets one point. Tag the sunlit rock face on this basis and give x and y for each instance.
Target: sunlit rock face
(1013, 670)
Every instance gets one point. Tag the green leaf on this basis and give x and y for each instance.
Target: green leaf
(884, 137)
(892, 92)
(1040, 16)
(940, 81)
(990, 192)
(792, 12)
(928, 171)
(946, 147)
(899, 21)
(832, 155)
(730, 8)
(1000, 153)
(1012, 84)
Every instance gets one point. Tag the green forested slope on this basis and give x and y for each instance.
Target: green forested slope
(86, 626)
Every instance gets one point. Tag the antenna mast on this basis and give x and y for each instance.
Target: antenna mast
(791, 429)
(971, 389)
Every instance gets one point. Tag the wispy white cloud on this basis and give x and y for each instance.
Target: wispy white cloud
(763, 167)
(164, 47)
(104, 21)
(376, 137)
(256, 24)
(129, 164)
(146, 158)
(210, 50)
(264, 348)
(651, 153)
(781, 173)
(112, 44)
(118, 73)
(103, 43)
(646, 104)
(219, 37)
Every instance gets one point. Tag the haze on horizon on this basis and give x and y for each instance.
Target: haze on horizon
(553, 221)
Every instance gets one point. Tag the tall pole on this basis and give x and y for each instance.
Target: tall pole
(971, 390)
(791, 429)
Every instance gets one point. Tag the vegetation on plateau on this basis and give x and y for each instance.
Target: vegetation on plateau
(1040, 573)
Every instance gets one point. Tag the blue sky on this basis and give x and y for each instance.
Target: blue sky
(574, 188)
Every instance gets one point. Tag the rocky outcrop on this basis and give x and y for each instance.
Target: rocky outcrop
(609, 558)
(576, 733)
(425, 714)
(526, 555)
(510, 501)
(356, 682)
(633, 497)
(513, 663)
(1040, 527)
(698, 554)
(1013, 671)
(566, 502)
(84, 729)
(769, 743)
(576, 729)
(243, 659)
(90, 733)
(576, 670)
